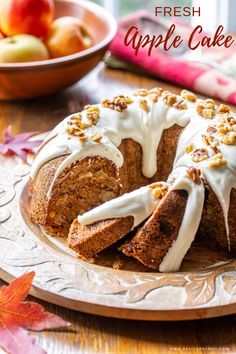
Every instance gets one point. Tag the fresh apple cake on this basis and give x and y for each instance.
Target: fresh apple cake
(152, 169)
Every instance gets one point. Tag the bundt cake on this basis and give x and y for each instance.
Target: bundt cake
(153, 169)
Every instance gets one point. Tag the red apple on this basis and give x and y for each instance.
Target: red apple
(68, 35)
(26, 17)
(22, 48)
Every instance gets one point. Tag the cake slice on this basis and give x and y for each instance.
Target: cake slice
(101, 227)
(89, 240)
(153, 240)
(173, 214)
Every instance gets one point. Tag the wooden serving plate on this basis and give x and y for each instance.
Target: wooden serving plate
(205, 287)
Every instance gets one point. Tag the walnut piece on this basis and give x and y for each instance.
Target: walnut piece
(181, 105)
(189, 148)
(188, 95)
(118, 103)
(229, 139)
(199, 155)
(208, 113)
(153, 97)
(156, 90)
(75, 125)
(194, 174)
(224, 109)
(217, 161)
(160, 191)
(211, 130)
(169, 98)
(96, 137)
(143, 104)
(141, 92)
(93, 114)
(206, 109)
(83, 139)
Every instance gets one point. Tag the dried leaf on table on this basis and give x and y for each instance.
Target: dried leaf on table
(16, 316)
(19, 144)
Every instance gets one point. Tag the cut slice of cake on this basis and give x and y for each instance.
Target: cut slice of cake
(101, 227)
(88, 240)
(162, 242)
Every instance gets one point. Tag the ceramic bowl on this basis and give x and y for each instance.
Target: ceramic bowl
(33, 79)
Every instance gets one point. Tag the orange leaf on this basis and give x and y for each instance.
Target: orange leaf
(16, 315)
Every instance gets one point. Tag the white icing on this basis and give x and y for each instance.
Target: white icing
(190, 223)
(146, 128)
(140, 204)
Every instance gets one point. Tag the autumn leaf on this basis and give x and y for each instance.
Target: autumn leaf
(19, 144)
(16, 316)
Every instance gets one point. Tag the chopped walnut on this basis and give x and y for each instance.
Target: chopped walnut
(153, 97)
(229, 139)
(199, 108)
(169, 98)
(217, 161)
(180, 105)
(214, 146)
(199, 155)
(210, 101)
(211, 130)
(156, 90)
(74, 130)
(228, 119)
(206, 109)
(83, 139)
(189, 148)
(160, 192)
(222, 128)
(75, 125)
(93, 114)
(143, 104)
(208, 139)
(156, 185)
(188, 95)
(76, 117)
(224, 109)
(141, 92)
(208, 113)
(128, 100)
(118, 103)
(97, 137)
(78, 133)
(194, 174)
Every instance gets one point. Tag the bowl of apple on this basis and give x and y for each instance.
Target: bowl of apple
(48, 45)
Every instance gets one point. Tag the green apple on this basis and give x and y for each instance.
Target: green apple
(22, 48)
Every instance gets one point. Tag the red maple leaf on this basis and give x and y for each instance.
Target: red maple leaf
(16, 316)
(19, 144)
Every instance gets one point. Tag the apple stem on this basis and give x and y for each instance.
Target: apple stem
(11, 40)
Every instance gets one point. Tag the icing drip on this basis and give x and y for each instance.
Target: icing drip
(190, 223)
(140, 204)
(145, 128)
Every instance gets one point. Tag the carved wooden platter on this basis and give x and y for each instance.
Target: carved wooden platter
(205, 286)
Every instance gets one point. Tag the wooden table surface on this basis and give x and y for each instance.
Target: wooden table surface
(93, 334)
